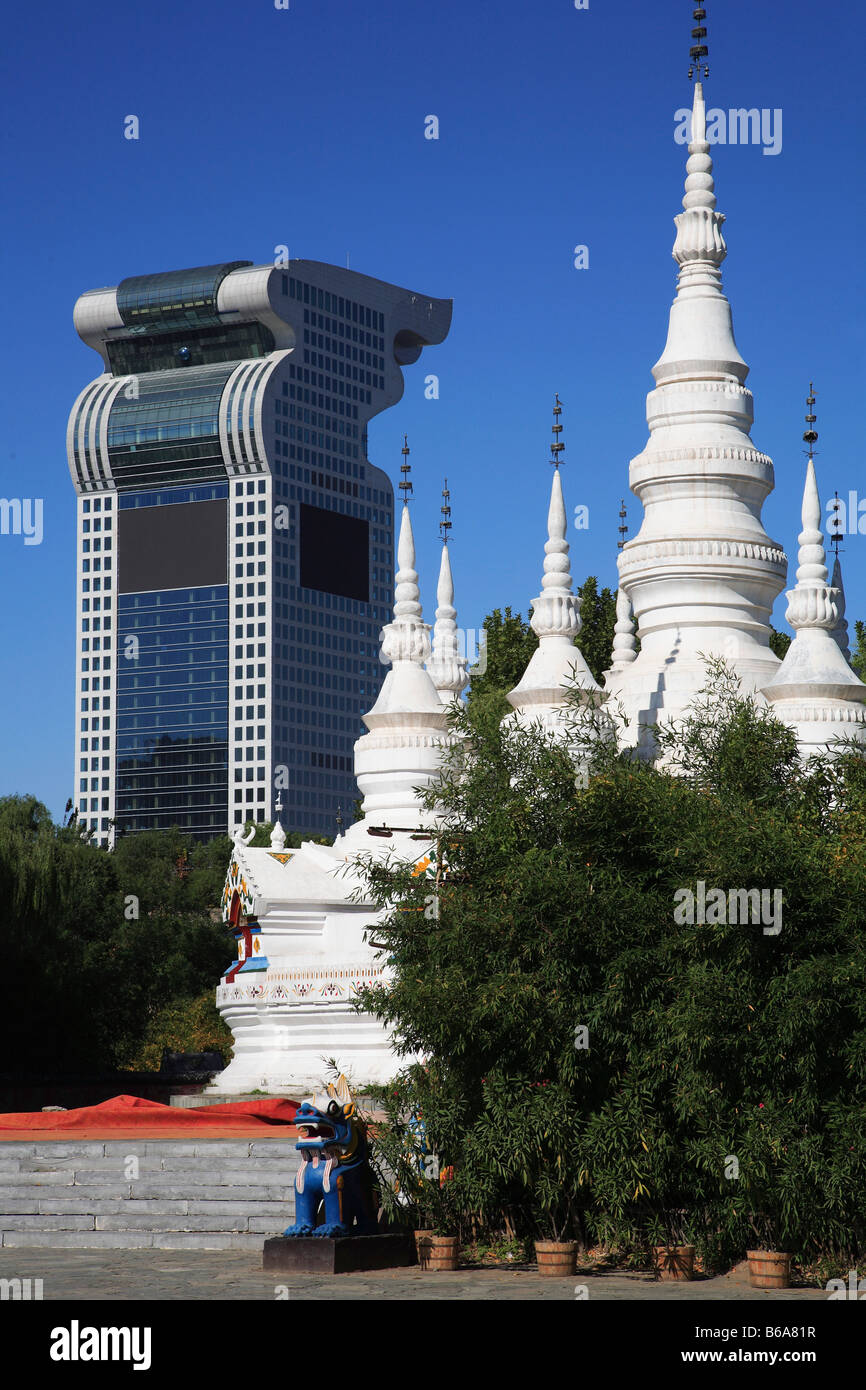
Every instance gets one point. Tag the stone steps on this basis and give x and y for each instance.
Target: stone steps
(123, 1194)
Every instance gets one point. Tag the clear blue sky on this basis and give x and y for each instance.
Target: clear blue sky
(306, 127)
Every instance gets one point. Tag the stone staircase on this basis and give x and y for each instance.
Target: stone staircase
(169, 1194)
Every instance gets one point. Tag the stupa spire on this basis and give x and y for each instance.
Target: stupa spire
(840, 631)
(701, 574)
(624, 652)
(815, 687)
(278, 834)
(447, 668)
(407, 637)
(407, 725)
(557, 663)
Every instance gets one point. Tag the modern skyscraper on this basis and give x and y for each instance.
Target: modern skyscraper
(235, 545)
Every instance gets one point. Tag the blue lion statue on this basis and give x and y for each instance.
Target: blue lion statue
(335, 1170)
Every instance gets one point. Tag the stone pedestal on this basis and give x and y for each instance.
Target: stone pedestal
(340, 1255)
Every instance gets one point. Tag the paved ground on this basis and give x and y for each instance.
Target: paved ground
(136, 1275)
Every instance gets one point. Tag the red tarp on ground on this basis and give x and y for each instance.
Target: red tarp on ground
(133, 1117)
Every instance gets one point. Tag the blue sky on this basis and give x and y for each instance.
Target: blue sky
(305, 127)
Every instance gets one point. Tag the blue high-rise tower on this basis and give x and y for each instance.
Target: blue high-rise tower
(235, 545)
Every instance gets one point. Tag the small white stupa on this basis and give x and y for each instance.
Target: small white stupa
(299, 916)
(556, 665)
(624, 645)
(447, 668)
(840, 631)
(815, 691)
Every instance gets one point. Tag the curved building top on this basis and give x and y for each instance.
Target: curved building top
(190, 354)
(210, 303)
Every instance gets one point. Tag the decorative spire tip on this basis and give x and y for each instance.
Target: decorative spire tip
(622, 528)
(811, 435)
(557, 445)
(698, 53)
(405, 483)
(445, 523)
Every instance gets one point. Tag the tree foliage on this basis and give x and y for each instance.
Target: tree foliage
(99, 944)
(590, 1063)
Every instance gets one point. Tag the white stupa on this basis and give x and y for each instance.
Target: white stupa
(702, 574)
(557, 665)
(840, 631)
(299, 916)
(815, 691)
(624, 645)
(447, 667)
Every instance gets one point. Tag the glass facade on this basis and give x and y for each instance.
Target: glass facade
(160, 352)
(172, 710)
(326, 671)
(173, 296)
(168, 432)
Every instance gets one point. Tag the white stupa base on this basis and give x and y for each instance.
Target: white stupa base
(285, 1048)
(650, 691)
(824, 727)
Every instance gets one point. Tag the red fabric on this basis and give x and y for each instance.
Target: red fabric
(130, 1116)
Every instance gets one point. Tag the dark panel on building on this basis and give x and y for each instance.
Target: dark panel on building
(172, 547)
(335, 553)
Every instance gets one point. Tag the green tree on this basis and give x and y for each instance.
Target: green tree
(598, 619)
(99, 943)
(592, 1056)
(779, 642)
(509, 645)
(858, 656)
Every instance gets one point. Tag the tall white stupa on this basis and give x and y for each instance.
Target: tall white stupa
(701, 575)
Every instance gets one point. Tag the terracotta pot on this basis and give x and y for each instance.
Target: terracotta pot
(556, 1256)
(769, 1269)
(423, 1240)
(443, 1252)
(674, 1261)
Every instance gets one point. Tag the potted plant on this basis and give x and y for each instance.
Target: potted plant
(555, 1252)
(673, 1258)
(769, 1267)
(775, 1143)
(556, 1257)
(444, 1251)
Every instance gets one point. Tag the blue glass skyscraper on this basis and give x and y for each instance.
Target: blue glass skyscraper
(235, 545)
